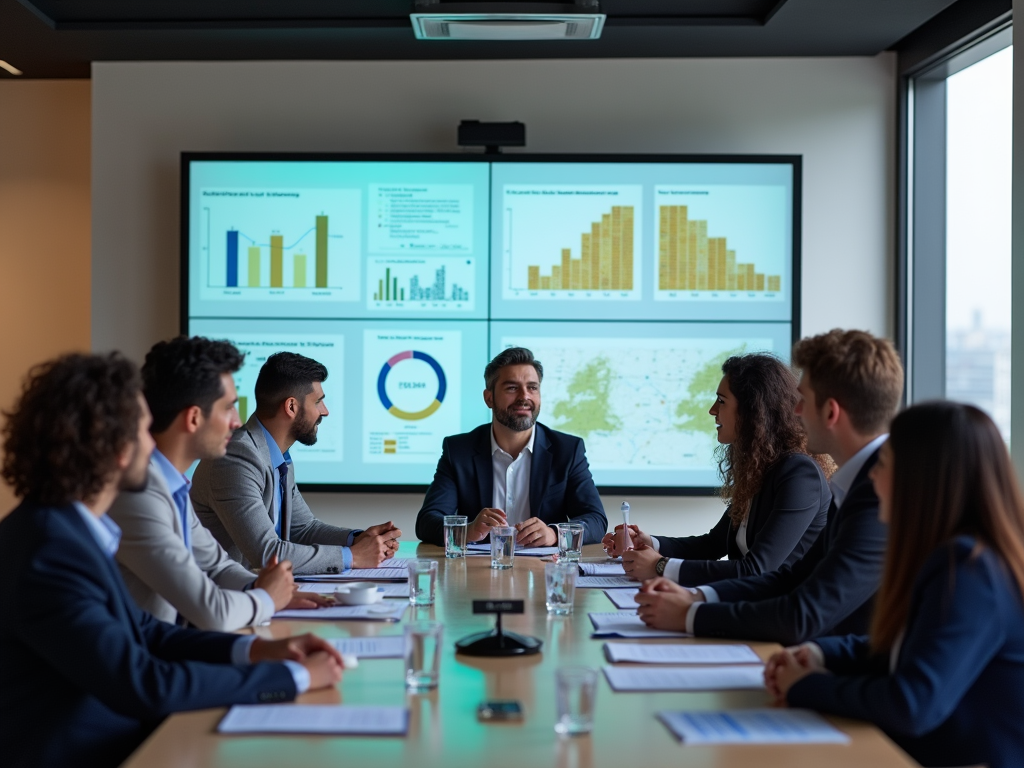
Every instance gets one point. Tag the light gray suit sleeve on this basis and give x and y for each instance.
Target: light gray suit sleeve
(234, 498)
(204, 586)
(306, 529)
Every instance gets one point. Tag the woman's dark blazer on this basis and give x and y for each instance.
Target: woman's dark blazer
(785, 518)
(956, 691)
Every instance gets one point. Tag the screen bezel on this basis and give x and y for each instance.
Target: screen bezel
(794, 161)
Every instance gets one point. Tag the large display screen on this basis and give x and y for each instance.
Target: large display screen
(632, 278)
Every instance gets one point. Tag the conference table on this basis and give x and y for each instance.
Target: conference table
(443, 727)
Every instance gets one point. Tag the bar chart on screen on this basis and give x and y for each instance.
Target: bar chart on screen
(432, 283)
(572, 242)
(281, 244)
(721, 243)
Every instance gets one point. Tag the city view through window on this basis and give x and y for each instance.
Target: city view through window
(978, 184)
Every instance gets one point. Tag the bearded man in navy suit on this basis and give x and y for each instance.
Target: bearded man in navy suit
(513, 471)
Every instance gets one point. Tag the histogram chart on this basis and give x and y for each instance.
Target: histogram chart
(572, 242)
(720, 243)
(430, 283)
(282, 243)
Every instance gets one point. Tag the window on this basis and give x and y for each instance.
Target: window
(955, 250)
(979, 125)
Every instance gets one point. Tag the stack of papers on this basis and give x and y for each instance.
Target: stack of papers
(602, 569)
(645, 653)
(361, 574)
(396, 562)
(395, 589)
(520, 551)
(316, 719)
(623, 598)
(723, 678)
(386, 611)
(752, 726)
(391, 647)
(626, 624)
(605, 582)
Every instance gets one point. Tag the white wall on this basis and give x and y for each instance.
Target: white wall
(838, 113)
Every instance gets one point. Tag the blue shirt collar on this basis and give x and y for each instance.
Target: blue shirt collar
(103, 529)
(174, 479)
(276, 457)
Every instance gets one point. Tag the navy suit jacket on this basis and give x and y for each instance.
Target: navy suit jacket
(956, 694)
(784, 521)
(86, 675)
(829, 590)
(561, 486)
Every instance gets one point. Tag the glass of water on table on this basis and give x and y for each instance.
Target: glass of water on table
(570, 541)
(503, 547)
(455, 535)
(422, 655)
(560, 586)
(422, 581)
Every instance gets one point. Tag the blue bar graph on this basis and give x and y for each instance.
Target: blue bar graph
(232, 258)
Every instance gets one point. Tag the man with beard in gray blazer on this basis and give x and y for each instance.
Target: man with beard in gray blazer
(249, 499)
(172, 565)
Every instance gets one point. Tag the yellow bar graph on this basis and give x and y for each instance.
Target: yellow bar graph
(606, 258)
(254, 267)
(300, 271)
(689, 260)
(277, 261)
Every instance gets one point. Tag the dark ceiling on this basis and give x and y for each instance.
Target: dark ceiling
(59, 38)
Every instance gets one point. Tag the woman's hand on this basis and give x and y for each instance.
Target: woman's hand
(639, 563)
(787, 667)
(612, 545)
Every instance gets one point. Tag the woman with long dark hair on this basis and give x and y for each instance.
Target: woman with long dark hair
(778, 496)
(943, 670)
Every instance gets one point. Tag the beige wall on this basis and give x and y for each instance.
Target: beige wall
(44, 227)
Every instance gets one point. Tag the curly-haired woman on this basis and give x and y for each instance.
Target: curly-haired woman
(778, 495)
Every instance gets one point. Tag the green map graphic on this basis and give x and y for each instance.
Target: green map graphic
(588, 408)
(692, 410)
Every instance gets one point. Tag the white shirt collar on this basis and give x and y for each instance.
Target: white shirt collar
(846, 474)
(529, 446)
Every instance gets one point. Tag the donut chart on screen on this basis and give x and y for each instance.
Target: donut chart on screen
(393, 409)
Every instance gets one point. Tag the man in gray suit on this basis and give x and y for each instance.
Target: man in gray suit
(249, 499)
(172, 565)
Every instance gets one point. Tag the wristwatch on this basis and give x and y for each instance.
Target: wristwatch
(659, 567)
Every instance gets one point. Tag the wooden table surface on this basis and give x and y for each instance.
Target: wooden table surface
(444, 730)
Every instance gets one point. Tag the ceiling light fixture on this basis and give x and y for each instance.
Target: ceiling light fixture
(9, 68)
(489, 20)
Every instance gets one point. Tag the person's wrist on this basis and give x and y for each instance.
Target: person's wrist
(659, 567)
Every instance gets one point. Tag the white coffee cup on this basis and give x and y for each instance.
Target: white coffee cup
(357, 593)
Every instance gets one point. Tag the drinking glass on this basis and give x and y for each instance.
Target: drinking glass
(575, 691)
(422, 654)
(503, 547)
(455, 535)
(422, 581)
(560, 581)
(570, 541)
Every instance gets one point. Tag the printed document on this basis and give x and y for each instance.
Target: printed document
(753, 726)
(316, 719)
(724, 678)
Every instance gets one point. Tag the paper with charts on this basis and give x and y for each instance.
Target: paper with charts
(626, 624)
(752, 726)
(390, 647)
(318, 719)
(692, 678)
(389, 610)
(646, 653)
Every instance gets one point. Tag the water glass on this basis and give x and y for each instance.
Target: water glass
(575, 691)
(503, 547)
(422, 581)
(560, 581)
(422, 654)
(570, 541)
(455, 535)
